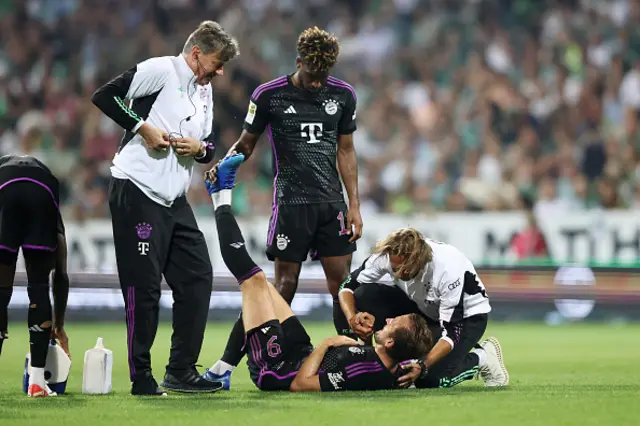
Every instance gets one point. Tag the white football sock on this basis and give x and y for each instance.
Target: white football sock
(221, 198)
(482, 356)
(221, 367)
(37, 376)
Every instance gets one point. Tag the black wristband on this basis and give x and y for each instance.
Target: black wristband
(423, 369)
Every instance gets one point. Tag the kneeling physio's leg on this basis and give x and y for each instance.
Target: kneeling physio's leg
(453, 370)
(466, 358)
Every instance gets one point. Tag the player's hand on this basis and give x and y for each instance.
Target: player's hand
(187, 147)
(213, 172)
(336, 341)
(411, 371)
(362, 324)
(154, 138)
(60, 336)
(354, 224)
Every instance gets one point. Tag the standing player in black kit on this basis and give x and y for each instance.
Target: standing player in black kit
(30, 219)
(310, 118)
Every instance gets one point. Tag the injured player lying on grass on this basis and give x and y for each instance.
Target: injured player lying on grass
(279, 350)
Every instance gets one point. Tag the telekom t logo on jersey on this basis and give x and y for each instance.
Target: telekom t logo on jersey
(311, 131)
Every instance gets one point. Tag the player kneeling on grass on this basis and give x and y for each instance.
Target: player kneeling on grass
(278, 347)
(437, 281)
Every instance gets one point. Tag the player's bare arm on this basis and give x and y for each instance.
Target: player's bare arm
(307, 379)
(348, 166)
(439, 351)
(254, 125)
(244, 145)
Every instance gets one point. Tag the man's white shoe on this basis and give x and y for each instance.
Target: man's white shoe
(494, 373)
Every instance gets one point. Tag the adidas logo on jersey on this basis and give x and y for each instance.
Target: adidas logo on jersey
(266, 330)
(290, 110)
(236, 245)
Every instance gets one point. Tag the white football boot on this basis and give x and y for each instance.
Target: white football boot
(493, 373)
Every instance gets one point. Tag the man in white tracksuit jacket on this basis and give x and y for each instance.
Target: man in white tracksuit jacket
(165, 106)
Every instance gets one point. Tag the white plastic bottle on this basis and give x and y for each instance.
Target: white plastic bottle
(98, 365)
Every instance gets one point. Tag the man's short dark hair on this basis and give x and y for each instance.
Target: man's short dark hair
(411, 342)
(318, 49)
(210, 37)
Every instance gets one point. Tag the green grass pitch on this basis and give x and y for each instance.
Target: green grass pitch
(567, 375)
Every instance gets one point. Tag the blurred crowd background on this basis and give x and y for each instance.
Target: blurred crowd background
(463, 105)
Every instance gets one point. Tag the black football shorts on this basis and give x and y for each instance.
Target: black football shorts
(275, 352)
(28, 219)
(297, 230)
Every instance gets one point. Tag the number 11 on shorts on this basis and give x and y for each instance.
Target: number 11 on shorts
(343, 228)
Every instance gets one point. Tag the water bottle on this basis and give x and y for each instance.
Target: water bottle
(56, 369)
(98, 365)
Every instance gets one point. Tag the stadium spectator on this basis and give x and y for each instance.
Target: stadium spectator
(530, 242)
(543, 85)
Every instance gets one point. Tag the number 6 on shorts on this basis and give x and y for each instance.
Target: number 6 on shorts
(273, 349)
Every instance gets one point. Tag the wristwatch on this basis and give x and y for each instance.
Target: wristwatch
(203, 150)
